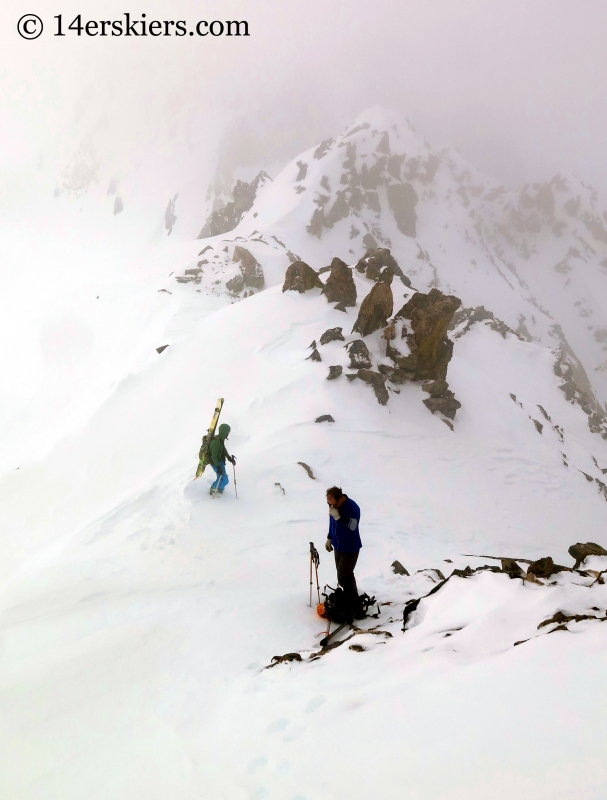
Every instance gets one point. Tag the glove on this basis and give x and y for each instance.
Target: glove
(328, 546)
(232, 459)
(333, 512)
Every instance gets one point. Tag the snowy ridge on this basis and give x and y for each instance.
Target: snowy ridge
(138, 615)
(140, 567)
(537, 258)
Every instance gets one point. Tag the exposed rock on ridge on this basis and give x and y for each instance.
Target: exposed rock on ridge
(359, 354)
(581, 551)
(375, 259)
(431, 350)
(300, 277)
(376, 308)
(403, 198)
(577, 387)
(250, 268)
(340, 286)
(227, 218)
(377, 381)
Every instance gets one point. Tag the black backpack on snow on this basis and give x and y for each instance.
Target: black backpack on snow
(340, 608)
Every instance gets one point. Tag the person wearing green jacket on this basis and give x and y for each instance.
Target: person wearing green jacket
(219, 455)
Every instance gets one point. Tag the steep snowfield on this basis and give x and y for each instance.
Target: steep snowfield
(138, 613)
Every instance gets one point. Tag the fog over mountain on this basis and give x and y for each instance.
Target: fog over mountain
(379, 231)
(517, 91)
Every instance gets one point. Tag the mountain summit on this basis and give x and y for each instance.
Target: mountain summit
(535, 260)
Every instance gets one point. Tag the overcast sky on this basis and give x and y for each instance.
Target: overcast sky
(518, 86)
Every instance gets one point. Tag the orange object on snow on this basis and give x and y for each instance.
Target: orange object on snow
(320, 610)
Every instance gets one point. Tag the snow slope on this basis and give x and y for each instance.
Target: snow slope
(137, 614)
(536, 258)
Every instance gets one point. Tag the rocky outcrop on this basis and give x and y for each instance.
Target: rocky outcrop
(332, 335)
(300, 277)
(377, 381)
(235, 284)
(250, 268)
(386, 276)
(340, 286)
(402, 199)
(227, 218)
(561, 620)
(445, 403)
(375, 308)
(581, 551)
(287, 658)
(544, 568)
(576, 385)
(374, 261)
(511, 568)
(303, 171)
(359, 354)
(431, 350)
(169, 215)
(307, 469)
(471, 316)
(335, 372)
(436, 388)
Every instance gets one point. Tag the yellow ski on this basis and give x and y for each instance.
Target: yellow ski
(203, 455)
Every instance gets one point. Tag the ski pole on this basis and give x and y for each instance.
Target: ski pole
(314, 559)
(234, 469)
(310, 575)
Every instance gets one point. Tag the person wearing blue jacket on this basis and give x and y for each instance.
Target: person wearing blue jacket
(344, 538)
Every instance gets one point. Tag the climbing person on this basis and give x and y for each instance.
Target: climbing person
(219, 455)
(344, 539)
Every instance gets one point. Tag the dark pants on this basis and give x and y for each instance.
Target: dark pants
(345, 563)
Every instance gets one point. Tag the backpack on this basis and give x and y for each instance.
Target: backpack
(339, 608)
(204, 454)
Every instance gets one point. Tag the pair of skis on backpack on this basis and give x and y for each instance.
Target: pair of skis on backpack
(204, 455)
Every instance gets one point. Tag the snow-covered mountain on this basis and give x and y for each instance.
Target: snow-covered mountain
(138, 615)
(536, 259)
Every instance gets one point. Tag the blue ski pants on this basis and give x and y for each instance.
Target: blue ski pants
(222, 480)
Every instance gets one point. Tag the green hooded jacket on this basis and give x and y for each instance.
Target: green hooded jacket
(218, 448)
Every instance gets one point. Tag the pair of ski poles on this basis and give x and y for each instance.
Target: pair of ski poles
(314, 561)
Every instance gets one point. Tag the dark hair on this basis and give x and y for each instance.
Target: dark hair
(335, 492)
